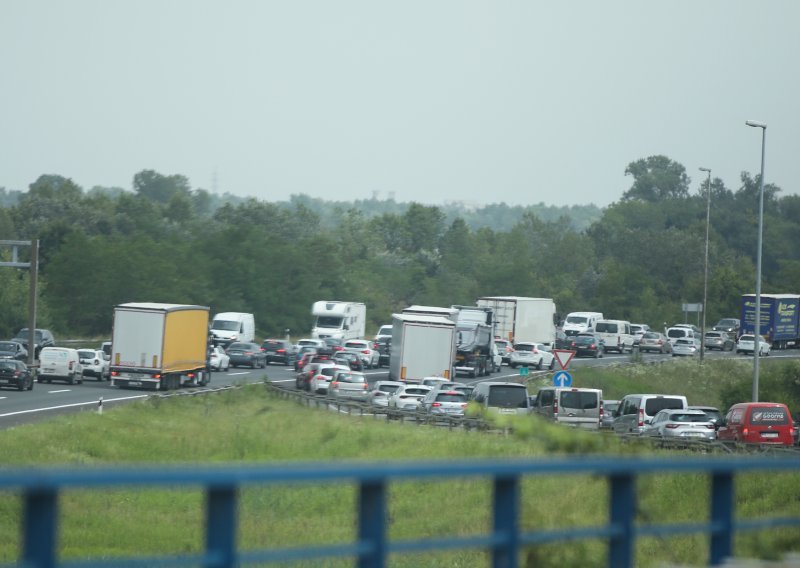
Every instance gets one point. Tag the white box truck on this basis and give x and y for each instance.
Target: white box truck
(339, 320)
(159, 346)
(422, 346)
(523, 319)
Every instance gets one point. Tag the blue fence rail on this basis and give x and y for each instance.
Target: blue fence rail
(40, 488)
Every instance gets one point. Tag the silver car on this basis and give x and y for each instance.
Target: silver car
(408, 396)
(685, 346)
(681, 424)
(443, 403)
(381, 391)
(349, 384)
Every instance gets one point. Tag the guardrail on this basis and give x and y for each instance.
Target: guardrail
(505, 540)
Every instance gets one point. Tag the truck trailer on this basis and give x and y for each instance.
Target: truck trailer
(422, 346)
(780, 325)
(523, 319)
(159, 346)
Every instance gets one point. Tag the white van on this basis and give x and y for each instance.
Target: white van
(677, 332)
(581, 322)
(228, 327)
(616, 335)
(60, 364)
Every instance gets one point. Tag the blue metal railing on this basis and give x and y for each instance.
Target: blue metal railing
(40, 489)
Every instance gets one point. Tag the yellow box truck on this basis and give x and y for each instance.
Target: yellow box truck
(159, 346)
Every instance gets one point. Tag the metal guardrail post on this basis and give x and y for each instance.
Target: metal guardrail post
(221, 524)
(39, 528)
(372, 523)
(506, 522)
(623, 511)
(721, 545)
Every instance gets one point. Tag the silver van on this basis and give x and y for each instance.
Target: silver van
(636, 411)
(580, 407)
(502, 397)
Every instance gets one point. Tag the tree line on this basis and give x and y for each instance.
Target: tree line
(638, 259)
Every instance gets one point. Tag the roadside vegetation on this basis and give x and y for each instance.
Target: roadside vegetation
(251, 425)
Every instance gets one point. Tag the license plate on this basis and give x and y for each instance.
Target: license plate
(769, 434)
(694, 434)
(507, 411)
(134, 383)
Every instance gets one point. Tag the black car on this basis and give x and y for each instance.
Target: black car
(41, 338)
(13, 350)
(15, 374)
(278, 350)
(588, 345)
(351, 359)
(562, 340)
(248, 354)
(384, 347)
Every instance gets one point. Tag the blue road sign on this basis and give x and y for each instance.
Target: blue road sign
(523, 371)
(562, 379)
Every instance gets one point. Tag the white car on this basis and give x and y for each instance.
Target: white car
(320, 382)
(685, 346)
(218, 360)
(408, 397)
(349, 384)
(365, 349)
(746, 344)
(381, 391)
(528, 354)
(95, 364)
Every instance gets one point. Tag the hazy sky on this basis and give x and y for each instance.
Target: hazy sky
(429, 101)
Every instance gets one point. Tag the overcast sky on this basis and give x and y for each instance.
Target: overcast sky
(424, 100)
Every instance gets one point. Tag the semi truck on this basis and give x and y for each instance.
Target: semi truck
(422, 346)
(522, 319)
(159, 346)
(779, 323)
(474, 340)
(338, 320)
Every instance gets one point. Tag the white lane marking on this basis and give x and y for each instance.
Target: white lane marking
(3, 397)
(239, 373)
(71, 405)
(284, 381)
(64, 390)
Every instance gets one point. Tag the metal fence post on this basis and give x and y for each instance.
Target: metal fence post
(506, 522)
(221, 517)
(40, 519)
(622, 511)
(721, 544)
(372, 523)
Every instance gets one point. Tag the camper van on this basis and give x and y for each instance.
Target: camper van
(581, 322)
(229, 327)
(338, 320)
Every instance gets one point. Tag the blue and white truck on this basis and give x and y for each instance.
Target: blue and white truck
(779, 323)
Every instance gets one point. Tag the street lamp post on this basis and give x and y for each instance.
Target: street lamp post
(705, 269)
(757, 329)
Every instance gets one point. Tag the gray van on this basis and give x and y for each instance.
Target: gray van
(502, 397)
(580, 407)
(636, 411)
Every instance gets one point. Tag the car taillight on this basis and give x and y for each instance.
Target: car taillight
(436, 404)
(366, 386)
(641, 417)
(555, 408)
(281, 351)
(672, 426)
(710, 426)
(745, 432)
(593, 346)
(114, 373)
(335, 384)
(365, 351)
(248, 352)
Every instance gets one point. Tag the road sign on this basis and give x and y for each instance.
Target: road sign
(563, 356)
(523, 371)
(562, 379)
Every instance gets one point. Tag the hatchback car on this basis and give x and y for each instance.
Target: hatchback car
(15, 374)
(381, 391)
(364, 349)
(408, 396)
(529, 354)
(680, 425)
(218, 360)
(13, 350)
(588, 345)
(349, 384)
(719, 340)
(443, 403)
(278, 351)
(303, 357)
(685, 347)
(746, 345)
(94, 364)
(320, 381)
(653, 341)
(246, 354)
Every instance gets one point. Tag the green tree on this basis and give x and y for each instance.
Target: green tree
(656, 178)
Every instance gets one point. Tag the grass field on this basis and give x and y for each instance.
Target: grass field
(250, 425)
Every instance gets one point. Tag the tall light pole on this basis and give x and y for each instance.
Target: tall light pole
(757, 329)
(705, 271)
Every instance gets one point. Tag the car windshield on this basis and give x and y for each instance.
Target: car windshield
(677, 332)
(8, 346)
(728, 322)
(451, 397)
(388, 388)
(714, 334)
(347, 378)
(85, 354)
(654, 405)
(23, 333)
(329, 321)
(525, 347)
(416, 390)
(576, 319)
(8, 364)
(746, 338)
(682, 417)
(650, 335)
(584, 339)
(272, 345)
(579, 400)
(610, 406)
(606, 327)
(355, 344)
(508, 396)
(225, 325)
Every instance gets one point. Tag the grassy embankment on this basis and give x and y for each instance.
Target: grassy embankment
(250, 425)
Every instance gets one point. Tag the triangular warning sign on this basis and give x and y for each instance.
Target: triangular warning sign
(563, 356)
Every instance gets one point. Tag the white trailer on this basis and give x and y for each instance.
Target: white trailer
(339, 320)
(523, 319)
(422, 346)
